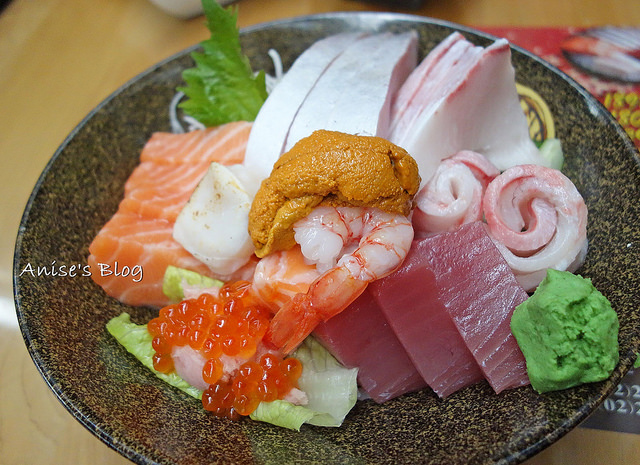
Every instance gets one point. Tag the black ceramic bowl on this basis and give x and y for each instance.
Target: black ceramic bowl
(63, 318)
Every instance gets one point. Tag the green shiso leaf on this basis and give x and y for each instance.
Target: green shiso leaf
(222, 88)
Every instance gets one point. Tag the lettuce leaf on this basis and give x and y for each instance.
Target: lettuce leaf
(176, 279)
(282, 413)
(551, 151)
(331, 388)
(332, 391)
(222, 88)
(137, 340)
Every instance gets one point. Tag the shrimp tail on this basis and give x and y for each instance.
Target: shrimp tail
(292, 324)
(298, 317)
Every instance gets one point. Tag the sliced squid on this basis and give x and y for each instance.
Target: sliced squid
(538, 220)
(453, 196)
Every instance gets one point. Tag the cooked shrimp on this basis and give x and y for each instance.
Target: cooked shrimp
(352, 246)
(281, 275)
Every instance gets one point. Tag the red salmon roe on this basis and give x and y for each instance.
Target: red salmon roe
(266, 381)
(231, 324)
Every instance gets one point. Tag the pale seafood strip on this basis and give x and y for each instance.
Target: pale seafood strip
(467, 101)
(140, 233)
(453, 195)
(538, 220)
(271, 126)
(375, 244)
(354, 94)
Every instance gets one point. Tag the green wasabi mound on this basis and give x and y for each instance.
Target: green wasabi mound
(567, 331)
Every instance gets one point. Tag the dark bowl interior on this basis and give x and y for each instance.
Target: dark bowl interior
(63, 317)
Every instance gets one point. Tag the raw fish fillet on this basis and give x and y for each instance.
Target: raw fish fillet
(444, 68)
(225, 144)
(271, 126)
(466, 99)
(409, 299)
(171, 166)
(354, 94)
(131, 240)
(479, 292)
(158, 190)
(140, 232)
(361, 337)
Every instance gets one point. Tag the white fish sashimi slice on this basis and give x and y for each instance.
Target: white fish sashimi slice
(213, 225)
(354, 94)
(442, 69)
(270, 128)
(482, 113)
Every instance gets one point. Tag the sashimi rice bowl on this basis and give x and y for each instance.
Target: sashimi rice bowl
(364, 238)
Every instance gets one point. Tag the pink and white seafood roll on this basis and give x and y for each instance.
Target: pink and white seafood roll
(453, 196)
(538, 220)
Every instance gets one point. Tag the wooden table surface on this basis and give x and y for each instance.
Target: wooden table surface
(58, 59)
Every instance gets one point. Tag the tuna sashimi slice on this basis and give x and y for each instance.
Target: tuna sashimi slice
(140, 233)
(481, 112)
(409, 300)
(271, 126)
(479, 291)
(354, 94)
(361, 337)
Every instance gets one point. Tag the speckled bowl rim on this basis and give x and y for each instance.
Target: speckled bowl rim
(121, 445)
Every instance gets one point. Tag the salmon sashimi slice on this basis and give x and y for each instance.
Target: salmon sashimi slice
(130, 241)
(160, 191)
(225, 144)
(139, 237)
